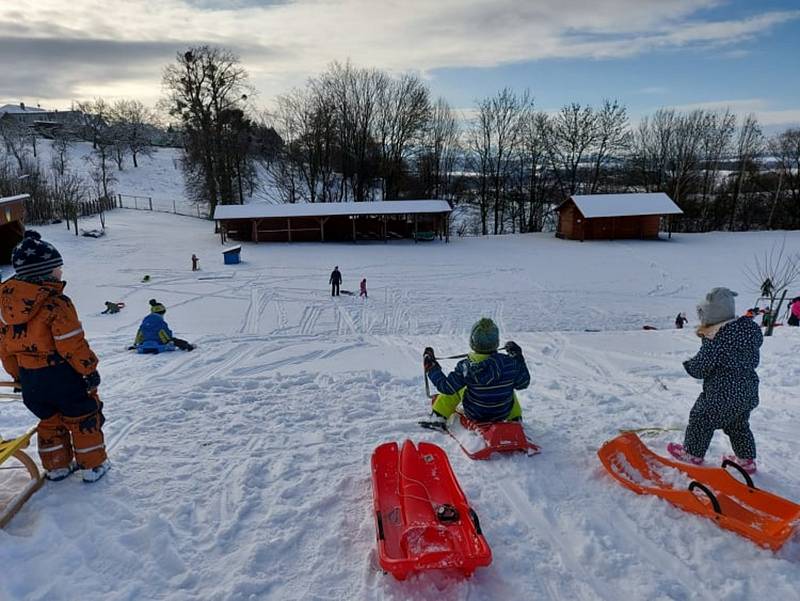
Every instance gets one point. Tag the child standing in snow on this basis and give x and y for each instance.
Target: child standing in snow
(363, 288)
(42, 346)
(154, 329)
(794, 312)
(726, 362)
(484, 382)
(680, 320)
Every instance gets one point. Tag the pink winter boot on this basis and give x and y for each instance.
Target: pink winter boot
(681, 454)
(748, 465)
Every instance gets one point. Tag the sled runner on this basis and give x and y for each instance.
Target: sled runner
(15, 448)
(481, 440)
(422, 518)
(766, 519)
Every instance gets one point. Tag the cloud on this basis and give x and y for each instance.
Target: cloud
(760, 107)
(284, 42)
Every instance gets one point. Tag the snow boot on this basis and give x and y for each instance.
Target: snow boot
(681, 454)
(748, 465)
(61, 473)
(94, 474)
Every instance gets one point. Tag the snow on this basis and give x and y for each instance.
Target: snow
(623, 205)
(241, 470)
(328, 209)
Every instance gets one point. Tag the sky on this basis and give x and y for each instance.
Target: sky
(741, 54)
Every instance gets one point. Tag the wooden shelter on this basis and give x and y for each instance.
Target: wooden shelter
(12, 217)
(339, 221)
(614, 216)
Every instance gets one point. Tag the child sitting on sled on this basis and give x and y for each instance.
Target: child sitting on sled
(43, 347)
(155, 333)
(483, 383)
(726, 362)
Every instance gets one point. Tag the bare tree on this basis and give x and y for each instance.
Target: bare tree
(750, 143)
(60, 149)
(135, 122)
(772, 274)
(439, 151)
(202, 86)
(786, 149)
(403, 110)
(570, 136)
(612, 138)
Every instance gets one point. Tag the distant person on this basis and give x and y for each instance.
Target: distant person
(680, 320)
(335, 281)
(112, 308)
(363, 288)
(726, 362)
(794, 312)
(195, 262)
(154, 334)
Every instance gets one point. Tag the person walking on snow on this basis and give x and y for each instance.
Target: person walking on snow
(727, 361)
(195, 262)
(43, 347)
(363, 287)
(680, 320)
(794, 312)
(155, 329)
(335, 281)
(484, 382)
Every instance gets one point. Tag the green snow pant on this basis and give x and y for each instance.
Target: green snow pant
(446, 404)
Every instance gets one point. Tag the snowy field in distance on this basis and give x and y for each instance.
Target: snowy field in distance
(241, 470)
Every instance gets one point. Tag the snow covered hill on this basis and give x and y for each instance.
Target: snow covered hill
(241, 470)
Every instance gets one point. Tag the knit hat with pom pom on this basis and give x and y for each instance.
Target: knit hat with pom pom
(33, 258)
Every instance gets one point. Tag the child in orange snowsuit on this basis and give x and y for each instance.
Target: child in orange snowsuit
(42, 346)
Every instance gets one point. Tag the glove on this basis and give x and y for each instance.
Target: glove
(17, 389)
(513, 349)
(92, 380)
(429, 359)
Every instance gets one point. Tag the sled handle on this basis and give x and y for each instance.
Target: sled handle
(705, 489)
(728, 463)
(379, 522)
(475, 521)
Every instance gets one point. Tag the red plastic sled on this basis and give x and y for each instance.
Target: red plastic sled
(765, 518)
(422, 518)
(481, 440)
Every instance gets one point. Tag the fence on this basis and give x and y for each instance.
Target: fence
(38, 211)
(148, 203)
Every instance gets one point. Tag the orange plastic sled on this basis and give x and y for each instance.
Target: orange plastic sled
(422, 518)
(766, 519)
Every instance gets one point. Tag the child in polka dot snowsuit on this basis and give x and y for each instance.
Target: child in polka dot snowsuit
(726, 362)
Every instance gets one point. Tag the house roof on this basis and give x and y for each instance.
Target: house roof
(10, 199)
(15, 108)
(330, 209)
(625, 205)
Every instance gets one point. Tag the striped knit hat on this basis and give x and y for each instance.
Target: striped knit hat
(33, 258)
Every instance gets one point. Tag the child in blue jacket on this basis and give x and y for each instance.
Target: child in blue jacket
(155, 333)
(484, 382)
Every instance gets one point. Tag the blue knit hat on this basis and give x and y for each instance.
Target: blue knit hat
(484, 337)
(33, 258)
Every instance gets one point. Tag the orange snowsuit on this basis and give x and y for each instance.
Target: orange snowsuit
(42, 346)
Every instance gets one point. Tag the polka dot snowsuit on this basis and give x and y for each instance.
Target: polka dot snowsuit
(727, 365)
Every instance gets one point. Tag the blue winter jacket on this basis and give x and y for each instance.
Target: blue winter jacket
(153, 329)
(490, 384)
(727, 365)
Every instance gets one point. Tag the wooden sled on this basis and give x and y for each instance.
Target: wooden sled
(15, 448)
(765, 518)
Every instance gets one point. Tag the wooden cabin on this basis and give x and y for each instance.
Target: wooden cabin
(335, 221)
(614, 216)
(12, 228)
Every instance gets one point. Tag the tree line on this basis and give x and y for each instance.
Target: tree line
(362, 134)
